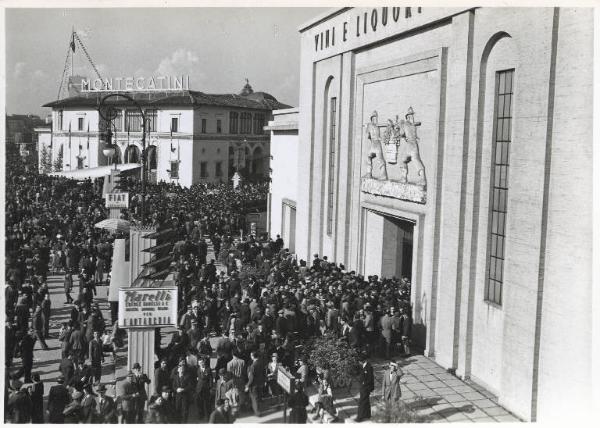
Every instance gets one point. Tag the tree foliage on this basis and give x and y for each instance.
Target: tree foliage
(336, 356)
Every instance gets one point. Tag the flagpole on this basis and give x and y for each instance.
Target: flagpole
(72, 48)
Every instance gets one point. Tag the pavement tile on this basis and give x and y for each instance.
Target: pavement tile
(459, 403)
(473, 395)
(411, 379)
(427, 393)
(446, 390)
(486, 419)
(495, 411)
(461, 389)
(458, 417)
(445, 376)
(418, 386)
(427, 378)
(436, 384)
(452, 397)
(507, 418)
(442, 405)
(484, 404)
(476, 413)
(454, 382)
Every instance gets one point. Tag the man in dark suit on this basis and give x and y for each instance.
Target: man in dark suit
(96, 356)
(203, 387)
(67, 368)
(139, 381)
(58, 397)
(256, 382)
(183, 387)
(107, 409)
(367, 385)
(161, 377)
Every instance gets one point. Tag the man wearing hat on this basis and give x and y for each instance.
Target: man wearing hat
(58, 397)
(390, 390)
(219, 415)
(107, 409)
(183, 387)
(203, 387)
(129, 394)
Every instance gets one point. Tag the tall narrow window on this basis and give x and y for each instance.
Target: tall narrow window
(204, 126)
(151, 120)
(233, 122)
(219, 130)
(59, 125)
(174, 124)
(331, 179)
(80, 123)
(499, 187)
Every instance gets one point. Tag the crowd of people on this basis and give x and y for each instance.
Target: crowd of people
(258, 311)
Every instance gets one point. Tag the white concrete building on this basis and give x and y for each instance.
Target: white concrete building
(191, 137)
(284, 178)
(454, 146)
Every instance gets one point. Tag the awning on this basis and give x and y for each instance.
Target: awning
(100, 171)
(157, 248)
(153, 263)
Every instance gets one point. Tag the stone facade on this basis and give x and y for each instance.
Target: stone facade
(534, 344)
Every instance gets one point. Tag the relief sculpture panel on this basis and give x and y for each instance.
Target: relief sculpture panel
(394, 145)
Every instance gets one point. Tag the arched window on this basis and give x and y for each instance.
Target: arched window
(132, 154)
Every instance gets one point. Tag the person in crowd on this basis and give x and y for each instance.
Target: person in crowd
(36, 393)
(182, 387)
(367, 385)
(298, 401)
(139, 381)
(96, 356)
(107, 409)
(255, 383)
(58, 398)
(73, 411)
(129, 399)
(390, 385)
(204, 386)
(89, 405)
(220, 414)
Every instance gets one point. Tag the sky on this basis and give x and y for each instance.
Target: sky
(217, 47)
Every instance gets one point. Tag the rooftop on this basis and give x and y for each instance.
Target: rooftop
(183, 98)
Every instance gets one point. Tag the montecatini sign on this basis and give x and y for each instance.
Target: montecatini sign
(147, 307)
(154, 83)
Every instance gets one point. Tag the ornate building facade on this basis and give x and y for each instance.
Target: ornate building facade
(191, 137)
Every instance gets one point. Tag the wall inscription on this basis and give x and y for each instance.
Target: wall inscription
(397, 148)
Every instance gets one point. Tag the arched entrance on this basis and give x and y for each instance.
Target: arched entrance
(132, 154)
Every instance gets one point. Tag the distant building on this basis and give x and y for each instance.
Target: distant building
(191, 136)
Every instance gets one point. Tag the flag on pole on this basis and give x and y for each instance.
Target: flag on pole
(73, 41)
(88, 137)
(69, 135)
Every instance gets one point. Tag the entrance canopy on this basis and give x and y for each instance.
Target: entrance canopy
(101, 171)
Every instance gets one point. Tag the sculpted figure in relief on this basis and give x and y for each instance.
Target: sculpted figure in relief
(402, 145)
(376, 163)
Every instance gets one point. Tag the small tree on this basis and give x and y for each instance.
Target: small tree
(46, 160)
(58, 164)
(330, 353)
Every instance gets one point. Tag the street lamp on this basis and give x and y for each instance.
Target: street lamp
(109, 113)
